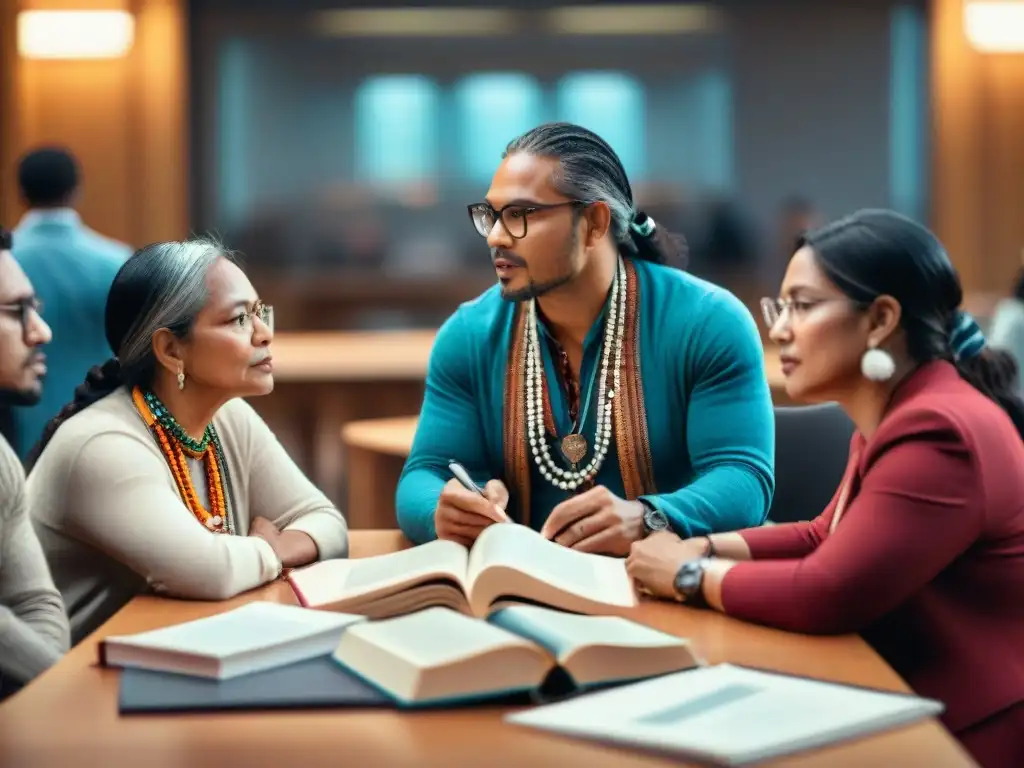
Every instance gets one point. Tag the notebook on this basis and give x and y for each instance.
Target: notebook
(257, 636)
(508, 563)
(728, 715)
(439, 656)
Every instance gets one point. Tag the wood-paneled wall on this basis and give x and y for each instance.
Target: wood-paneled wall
(977, 153)
(125, 119)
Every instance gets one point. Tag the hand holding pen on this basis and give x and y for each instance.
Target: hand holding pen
(464, 509)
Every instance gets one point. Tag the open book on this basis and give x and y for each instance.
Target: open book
(257, 636)
(438, 656)
(728, 715)
(508, 563)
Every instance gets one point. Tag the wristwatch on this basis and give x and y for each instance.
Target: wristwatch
(689, 580)
(654, 519)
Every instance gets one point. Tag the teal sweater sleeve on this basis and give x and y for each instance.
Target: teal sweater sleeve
(730, 425)
(449, 428)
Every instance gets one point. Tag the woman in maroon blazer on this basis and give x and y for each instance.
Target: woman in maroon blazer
(922, 548)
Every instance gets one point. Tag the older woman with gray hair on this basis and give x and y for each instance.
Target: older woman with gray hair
(158, 476)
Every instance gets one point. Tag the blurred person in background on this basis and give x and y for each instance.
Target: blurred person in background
(1007, 327)
(729, 247)
(71, 268)
(797, 216)
(608, 390)
(33, 625)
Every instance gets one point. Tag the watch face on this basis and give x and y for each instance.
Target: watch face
(655, 520)
(688, 579)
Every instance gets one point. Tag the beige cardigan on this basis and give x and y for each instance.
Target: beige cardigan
(33, 626)
(113, 524)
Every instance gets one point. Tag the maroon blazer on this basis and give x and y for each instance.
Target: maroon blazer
(927, 560)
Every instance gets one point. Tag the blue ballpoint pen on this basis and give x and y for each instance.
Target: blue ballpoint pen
(467, 482)
(463, 477)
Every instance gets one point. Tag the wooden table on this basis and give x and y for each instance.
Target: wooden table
(327, 299)
(69, 715)
(376, 450)
(351, 356)
(323, 380)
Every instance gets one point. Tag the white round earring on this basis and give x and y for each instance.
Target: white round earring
(181, 380)
(877, 365)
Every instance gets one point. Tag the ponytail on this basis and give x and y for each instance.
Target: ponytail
(99, 382)
(650, 242)
(993, 372)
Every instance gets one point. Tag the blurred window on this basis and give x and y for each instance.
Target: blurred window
(493, 108)
(613, 105)
(396, 122)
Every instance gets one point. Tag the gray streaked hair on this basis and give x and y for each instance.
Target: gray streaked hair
(590, 171)
(162, 285)
(178, 277)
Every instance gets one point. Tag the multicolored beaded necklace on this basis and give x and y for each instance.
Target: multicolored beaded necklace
(176, 445)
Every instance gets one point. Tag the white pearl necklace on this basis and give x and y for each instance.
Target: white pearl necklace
(613, 332)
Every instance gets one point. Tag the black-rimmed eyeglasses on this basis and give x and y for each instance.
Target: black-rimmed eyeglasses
(513, 216)
(23, 309)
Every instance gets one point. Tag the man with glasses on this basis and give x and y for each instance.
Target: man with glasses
(71, 267)
(33, 625)
(609, 393)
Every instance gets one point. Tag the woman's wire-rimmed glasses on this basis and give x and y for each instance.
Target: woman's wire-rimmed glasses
(263, 312)
(774, 309)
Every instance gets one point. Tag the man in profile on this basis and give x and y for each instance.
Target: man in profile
(71, 268)
(34, 630)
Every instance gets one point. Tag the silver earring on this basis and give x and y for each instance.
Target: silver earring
(181, 380)
(877, 365)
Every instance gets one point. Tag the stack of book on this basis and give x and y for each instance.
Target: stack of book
(515, 620)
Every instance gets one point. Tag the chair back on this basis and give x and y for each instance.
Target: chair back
(812, 445)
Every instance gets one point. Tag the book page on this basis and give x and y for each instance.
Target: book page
(595, 577)
(251, 627)
(436, 636)
(336, 580)
(437, 654)
(729, 714)
(562, 633)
